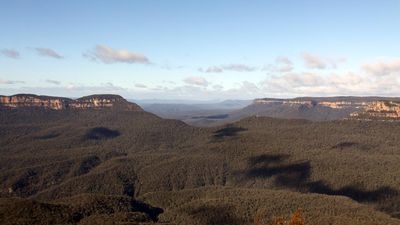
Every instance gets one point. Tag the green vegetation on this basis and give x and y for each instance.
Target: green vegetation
(132, 167)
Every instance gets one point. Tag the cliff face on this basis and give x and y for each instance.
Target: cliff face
(363, 108)
(24, 100)
(305, 103)
(312, 103)
(343, 104)
(59, 103)
(380, 110)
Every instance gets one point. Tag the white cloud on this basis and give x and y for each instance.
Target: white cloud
(237, 67)
(303, 79)
(292, 83)
(212, 69)
(382, 68)
(328, 84)
(11, 82)
(198, 81)
(377, 78)
(47, 52)
(217, 87)
(282, 65)
(348, 79)
(159, 88)
(313, 61)
(103, 88)
(244, 90)
(109, 55)
(140, 85)
(317, 62)
(10, 53)
(249, 87)
(56, 82)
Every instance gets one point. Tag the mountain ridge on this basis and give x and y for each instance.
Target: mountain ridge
(97, 101)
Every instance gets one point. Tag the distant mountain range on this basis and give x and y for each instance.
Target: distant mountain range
(309, 108)
(322, 108)
(195, 114)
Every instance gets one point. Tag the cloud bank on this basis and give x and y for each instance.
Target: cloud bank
(382, 68)
(381, 77)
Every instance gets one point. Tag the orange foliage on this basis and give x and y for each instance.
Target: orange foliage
(296, 219)
(280, 221)
(258, 219)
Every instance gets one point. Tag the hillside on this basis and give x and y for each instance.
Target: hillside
(82, 166)
(318, 109)
(309, 108)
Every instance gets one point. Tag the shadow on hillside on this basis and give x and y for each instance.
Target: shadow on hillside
(266, 159)
(48, 136)
(349, 145)
(353, 191)
(87, 164)
(346, 144)
(216, 215)
(228, 132)
(99, 133)
(296, 176)
(152, 212)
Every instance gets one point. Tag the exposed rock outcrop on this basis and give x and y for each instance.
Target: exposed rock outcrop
(361, 108)
(60, 103)
(379, 110)
(311, 103)
(28, 100)
(343, 104)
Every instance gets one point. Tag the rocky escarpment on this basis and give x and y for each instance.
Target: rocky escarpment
(362, 108)
(60, 103)
(307, 102)
(386, 110)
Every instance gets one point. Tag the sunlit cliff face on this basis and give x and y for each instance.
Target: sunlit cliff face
(58, 103)
(32, 101)
(381, 109)
(330, 104)
(362, 109)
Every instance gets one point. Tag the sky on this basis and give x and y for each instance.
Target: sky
(200, 50)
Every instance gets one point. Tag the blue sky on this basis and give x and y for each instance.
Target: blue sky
(201, 50)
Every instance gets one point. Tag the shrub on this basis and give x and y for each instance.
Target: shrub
(295, 219)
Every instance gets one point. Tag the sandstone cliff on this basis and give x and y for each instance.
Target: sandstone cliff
(59, 103)
(362, 108)
(312, 103)
(380, 110)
